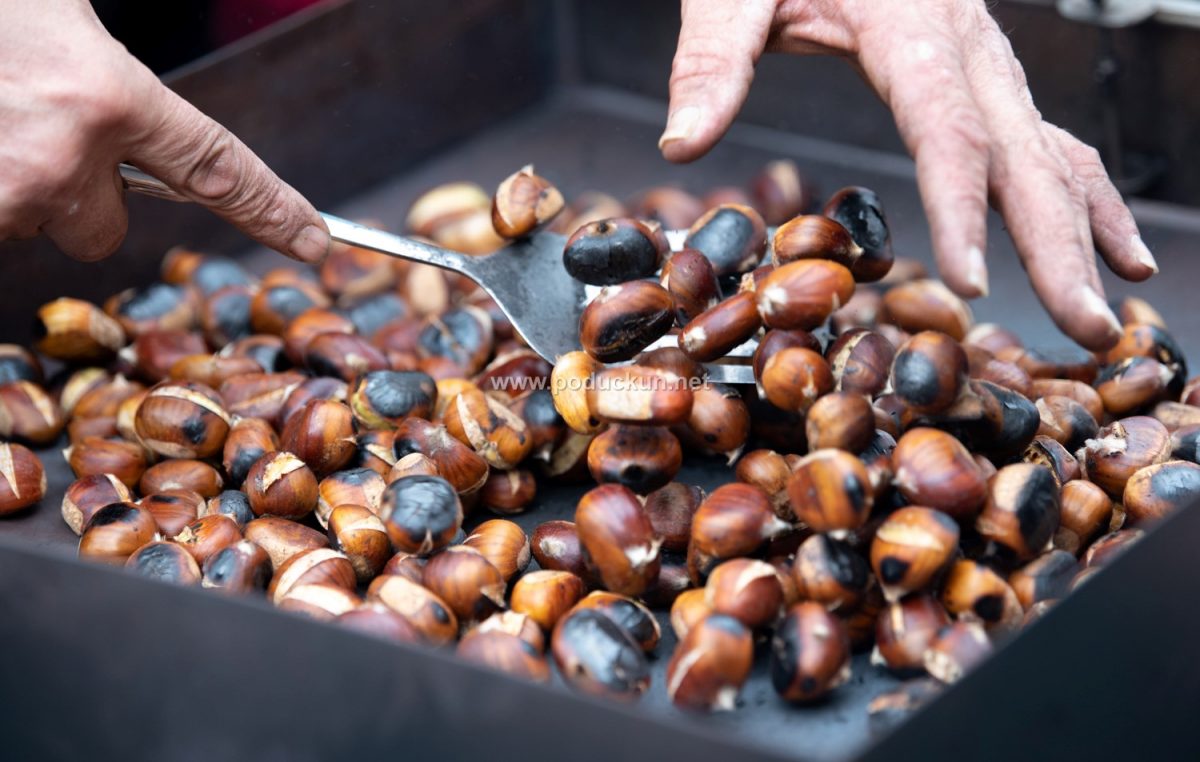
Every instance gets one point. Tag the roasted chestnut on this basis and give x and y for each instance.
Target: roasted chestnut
(555, 544)
(115, 531)
(523, 203)
(280, 484)
(307, 326)
(618, 538)
(249, 439)
(94, 456)
(277, 305)
(1022, 509)
(490, 427)
(182, 420)
(165, 562)
(503, 543)
(794, 378)
(281, 538)
(421, 513)
(376, 619)
(633, 617)
(545, 596)
(734, 521)
(623, 320)
(232, 503)
(569, 385)
(911, 547)
(747, 590)
(322, 435)
(830, 491)
(466, 581)
(508, 492)
(810, 653)
(322, 566)
(803, 294)
(1048, 453)
(642, 458)
(929, 372)
(320, 601)
(632, 394)
(861, 213)
(596, 656)
(194, 475)
(831, 573)
(29, 414)
(722, 327)
(207, 535)
(710, 664)
(83, 498)
(977, 593)
(956, 649)
(172, 510)
(1045, 578)
(934, 469)
(382, 399)
(1085, 513)
(504, 652)
(841, 420)
(611, 251)
(461, 335)
(1110, 546)
(1155, 491)
(904, 631)
(22, 479)
(780, 192)
(343, 355)
(927, 305)
(73, 330)
(1133, 384)
(360, 535)
(457, 463)
(259, 395)
(1123, 447)
(732, 236)
(692, 282)
(19, 364)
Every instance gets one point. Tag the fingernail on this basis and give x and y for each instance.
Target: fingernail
(680, 125)
(310, 245)
(1141, 253)
(1094, 304)
(977, 270)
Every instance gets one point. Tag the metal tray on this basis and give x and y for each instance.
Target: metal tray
(97, 663)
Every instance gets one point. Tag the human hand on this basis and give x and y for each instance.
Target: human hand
(74, 104)
(965, 113)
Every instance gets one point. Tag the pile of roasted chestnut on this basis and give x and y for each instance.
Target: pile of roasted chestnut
(902, 478)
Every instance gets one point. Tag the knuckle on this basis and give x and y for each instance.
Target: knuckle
(212, 173)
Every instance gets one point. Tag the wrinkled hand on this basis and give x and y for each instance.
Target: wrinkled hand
(964, 111)
(74, 104)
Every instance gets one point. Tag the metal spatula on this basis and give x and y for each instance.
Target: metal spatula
(526, 278)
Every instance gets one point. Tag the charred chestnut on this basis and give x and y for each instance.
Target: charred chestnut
(957, 649)
(710, 664)
(831, 573)
(810, 653)
(1022, 509)
(861, 213)
(1122, 448)
(165, 562)
(911, 547)
(905, 630)
(232, 503)
(732, 236)
(623, 320)
(596, 656)
(977, 593)
(421, 513)
(85, 496)
(382, 399)
(1155, 491)
(182, 420)
(172, 510)
(830, 491)
(642, 458)
(115, 531)
(611, 251)
(929, 372)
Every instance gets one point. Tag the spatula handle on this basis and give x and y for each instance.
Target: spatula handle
(339, 229)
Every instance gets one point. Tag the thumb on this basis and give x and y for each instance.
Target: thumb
(202, 160)
(719, 43)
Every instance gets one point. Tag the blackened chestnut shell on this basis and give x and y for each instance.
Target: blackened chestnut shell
(608, 252)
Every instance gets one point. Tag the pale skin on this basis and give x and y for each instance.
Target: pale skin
(74, 104)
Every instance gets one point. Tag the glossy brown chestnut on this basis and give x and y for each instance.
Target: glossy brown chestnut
(810, 653)
(905, 630)
(194, 475)
(115, 531)
(642, 458)
(383, 399)
(240, 568)
(1176, 415)
(614, 250)
(840, 420)
(94, 456)
(419, 605)
(172, 510)
(376, 619)
(911, 547)
(280, 484)
(1048, 453)
(956, 649)
(1133, 384)
(73, 330)
(734, 521)
(504, 652)
(165, 562)
(692, 282)
(376, 450)
(1122, 448)
(358, 533)
(747, 590)
(461, 335)
(277, 305)
(934, 469)
(1085, 513)
(688, 608)
(524, 202)
(421, 513)
(488, 426)
(722, 327)
(322, 566)
(596, 656)
(794, 378)
(1110, 546)
(770, 472)
(22, 478)
(467, 582)
(322, 435)
(1066, 421)
(249, 439)
(211, 370)
(306, 326)
(632, 394)
(260, 395)
(544, 426)
(779, 191)
(803, 294)
(208, 535)
(182, 420)
(929, 372)
(555, 545)
(927, 305)
(406, 565)
(1045, 578)
(514, 371)
(632, 616)
(1076, 390)
(830, 491)
(545, 596)
(1022, 510)
(813, 236)
(508, 492)
(618, 538)
(569, 384)
(503, 543)
(831, 573)
(670, 510)
(977, 593)
(512, 623)
(343, 355)
(319, 601)
(1156, 491)
(457, 463)
(282, 538)
(623, 320)
(28, 413)
(710, 664)
(155, 352)
(86, 496)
